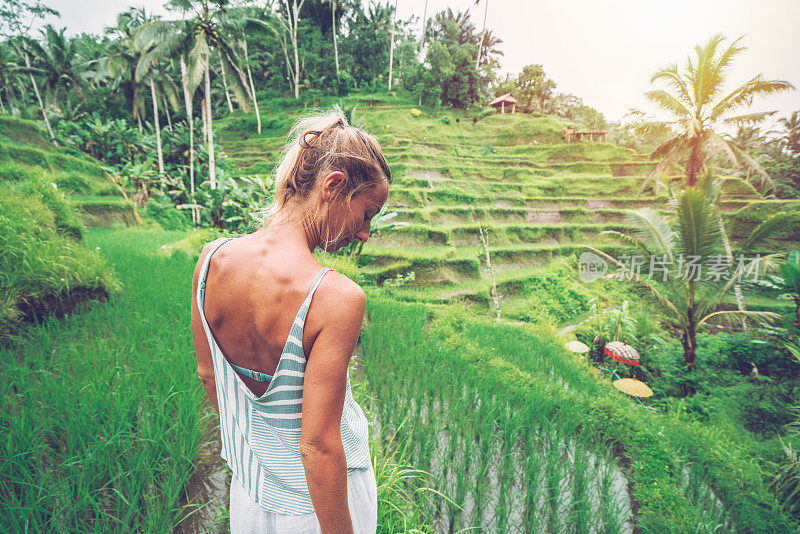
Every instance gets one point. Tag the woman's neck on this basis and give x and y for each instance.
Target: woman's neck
(289, 225)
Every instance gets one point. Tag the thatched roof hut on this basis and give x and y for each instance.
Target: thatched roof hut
(502, 101)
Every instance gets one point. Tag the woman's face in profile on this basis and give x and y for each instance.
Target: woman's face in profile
(355, 222)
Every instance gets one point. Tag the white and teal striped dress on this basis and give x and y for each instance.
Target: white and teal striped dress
(261, 434)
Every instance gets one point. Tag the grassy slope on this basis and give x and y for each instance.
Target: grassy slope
(24, 147)
(45, 269)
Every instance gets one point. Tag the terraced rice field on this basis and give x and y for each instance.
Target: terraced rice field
(536, 197)
(496, 412)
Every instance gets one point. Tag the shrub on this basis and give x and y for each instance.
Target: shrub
(739, 349)
(766, 408)
(74, 182)
(13, 172)
(67, 222)
(167, 215)
(446, 119)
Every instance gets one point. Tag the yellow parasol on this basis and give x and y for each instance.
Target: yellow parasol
(633, 387)
(577, 347)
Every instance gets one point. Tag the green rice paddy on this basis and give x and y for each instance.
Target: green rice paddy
(477, 425)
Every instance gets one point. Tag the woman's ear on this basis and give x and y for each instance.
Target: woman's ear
(332, 185)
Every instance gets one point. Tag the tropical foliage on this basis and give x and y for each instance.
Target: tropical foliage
(693, 272)
(699, 108)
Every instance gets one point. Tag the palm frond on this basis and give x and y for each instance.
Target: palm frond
(697, 225)
(673, 79)
(750, 118)
(744, 94)
(626, 239)
(710, 185)
(664, 300)
(756, 264)
(653, 230)
(668, 102)
(658, 171)
(724, 146)
(746, 314)
(236, 78)
(162, 50)
(198, 58)
(717, 70)
(754, 165)
(670, 147)
(772, 227)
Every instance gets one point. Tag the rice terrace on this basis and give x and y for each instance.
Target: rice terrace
(579, 318)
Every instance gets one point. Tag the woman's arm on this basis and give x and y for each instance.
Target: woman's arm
(205, 365)
(323, 401)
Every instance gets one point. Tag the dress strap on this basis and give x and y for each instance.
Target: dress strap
(316, 282)
(300, 318)
(201, 287)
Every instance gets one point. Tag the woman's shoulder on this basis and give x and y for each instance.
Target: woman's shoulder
(337, 293)
(341, 286)
(205, 251)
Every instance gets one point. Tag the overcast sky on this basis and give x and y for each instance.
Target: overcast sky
(603, 51)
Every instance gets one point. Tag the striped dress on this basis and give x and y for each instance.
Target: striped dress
(261, 434)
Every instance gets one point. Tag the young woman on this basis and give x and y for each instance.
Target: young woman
(272, 361)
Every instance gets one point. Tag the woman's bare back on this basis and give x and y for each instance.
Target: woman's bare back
(254, 289)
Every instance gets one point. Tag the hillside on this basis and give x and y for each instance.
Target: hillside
(45, 268)
(537, 197)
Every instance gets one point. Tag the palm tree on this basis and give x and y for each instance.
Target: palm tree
(193, 40)
(698, 110)
(9, 75)
(160, 83)
(23, 49)
(692, 238)
(483, 31)
(122, 58)
(57, 61)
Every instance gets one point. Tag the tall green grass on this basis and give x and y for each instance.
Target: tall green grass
(99, 411)
(524, 438)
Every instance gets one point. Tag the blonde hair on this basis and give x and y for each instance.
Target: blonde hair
(321, 143)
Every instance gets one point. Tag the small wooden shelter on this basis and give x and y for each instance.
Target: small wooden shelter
(591, 135)
(504, 100)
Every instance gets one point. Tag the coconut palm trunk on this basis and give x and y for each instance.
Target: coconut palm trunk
(252, 86)
(158, 127)
(212, 171)
(391, 46)
(204, 126)
(335, 44)
(39, 99)
(2, 106)
(424, 26)
(483, 33)
(166, 110)
(190, 119)
(225, 84)
(296, 59)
